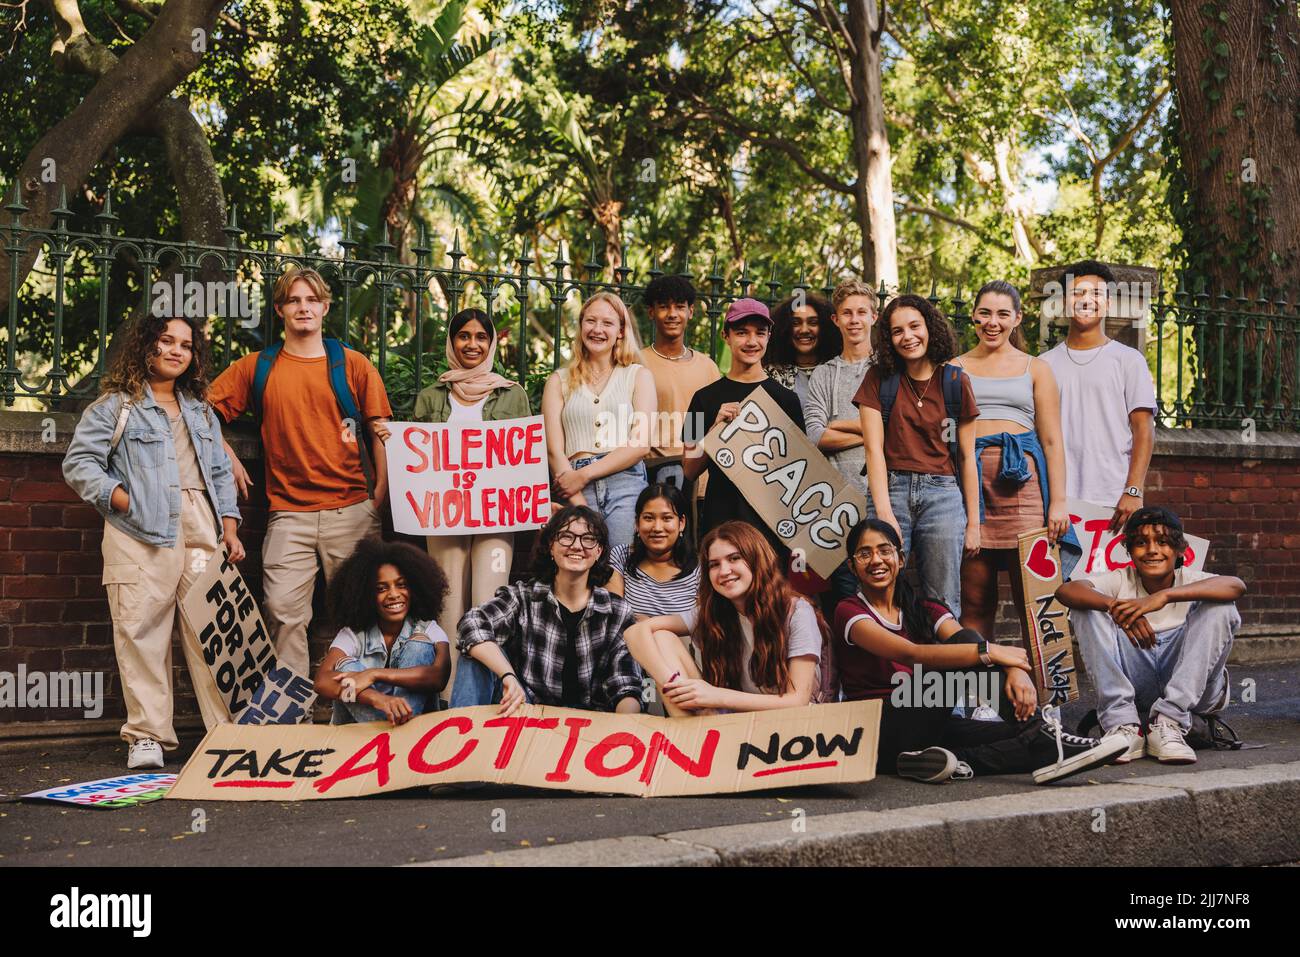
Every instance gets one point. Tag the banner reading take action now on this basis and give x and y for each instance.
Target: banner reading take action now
(468, 479)
(539, 747)
(798, 493)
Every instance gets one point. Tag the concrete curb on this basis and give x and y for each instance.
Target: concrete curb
(1231, 816)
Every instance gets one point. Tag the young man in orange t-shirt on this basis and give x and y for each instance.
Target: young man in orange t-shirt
(320, 506)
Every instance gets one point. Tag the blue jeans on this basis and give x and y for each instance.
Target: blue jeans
(414, 654)
(1185, 672)
(932, 517)
(477, 685)
(614, 497)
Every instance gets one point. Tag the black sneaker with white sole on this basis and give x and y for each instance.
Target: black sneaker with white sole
(933, 766)
(1071, 754)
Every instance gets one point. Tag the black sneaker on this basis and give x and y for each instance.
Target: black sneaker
(1072, 753)
(933, 766)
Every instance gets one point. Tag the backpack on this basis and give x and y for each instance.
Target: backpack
(950, 383)
(334, 352)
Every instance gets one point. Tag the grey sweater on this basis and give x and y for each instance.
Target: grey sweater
(830, 397)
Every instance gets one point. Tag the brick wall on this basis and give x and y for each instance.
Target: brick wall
(53, 614)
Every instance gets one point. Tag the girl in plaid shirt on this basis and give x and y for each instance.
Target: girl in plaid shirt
(558, 638)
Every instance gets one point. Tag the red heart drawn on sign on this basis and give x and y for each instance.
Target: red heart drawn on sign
(1040, 561)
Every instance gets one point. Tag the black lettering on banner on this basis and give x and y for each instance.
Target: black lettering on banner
(1058, 677)
(774, 752)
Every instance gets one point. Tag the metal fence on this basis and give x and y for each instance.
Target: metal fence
(1218, 360)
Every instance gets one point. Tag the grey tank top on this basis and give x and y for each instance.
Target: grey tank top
(1006, 397)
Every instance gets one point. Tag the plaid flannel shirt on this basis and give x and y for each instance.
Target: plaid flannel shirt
(524, 619)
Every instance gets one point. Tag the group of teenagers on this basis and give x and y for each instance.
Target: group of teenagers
(675, 582)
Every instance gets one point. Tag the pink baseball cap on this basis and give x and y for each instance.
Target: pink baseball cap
(745, 309)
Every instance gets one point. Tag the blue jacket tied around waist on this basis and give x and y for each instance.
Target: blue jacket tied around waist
(1015, 447)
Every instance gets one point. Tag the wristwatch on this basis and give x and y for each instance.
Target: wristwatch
(983, 648)
(1134, 491)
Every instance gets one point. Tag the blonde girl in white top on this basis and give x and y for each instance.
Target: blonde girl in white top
(599, 410)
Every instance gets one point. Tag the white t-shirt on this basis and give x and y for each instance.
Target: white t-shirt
(1124, 583)
(465, 414)
(1099, 388)
(805, 638)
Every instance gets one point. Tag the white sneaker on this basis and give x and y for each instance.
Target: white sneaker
(145, 753)
(1137, 745)
(985, 713)
(933, 766)
(1166, 743)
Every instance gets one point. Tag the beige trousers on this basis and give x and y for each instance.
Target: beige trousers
(475, 566)
(294, 542)
(145, 585)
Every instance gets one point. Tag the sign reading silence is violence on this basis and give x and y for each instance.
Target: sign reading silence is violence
(468, 479)
(790, 484)
(539, 746)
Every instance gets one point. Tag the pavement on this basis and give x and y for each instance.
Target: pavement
(1232, 807)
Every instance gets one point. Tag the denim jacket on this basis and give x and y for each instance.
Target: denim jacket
(144, 464)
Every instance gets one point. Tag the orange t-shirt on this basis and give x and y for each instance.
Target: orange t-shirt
(312, 461)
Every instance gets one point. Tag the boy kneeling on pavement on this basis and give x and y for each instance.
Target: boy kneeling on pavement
(1156, 637)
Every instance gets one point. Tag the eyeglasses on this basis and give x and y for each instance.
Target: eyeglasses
(886, 552)
(566, 540)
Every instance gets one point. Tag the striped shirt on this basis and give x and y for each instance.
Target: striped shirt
(650, 597)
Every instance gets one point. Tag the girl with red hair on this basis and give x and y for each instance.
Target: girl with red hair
(754, 643)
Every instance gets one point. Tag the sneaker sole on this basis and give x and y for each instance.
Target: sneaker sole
(1173, 760)
(1135, 751)
(931, 766)
(1106, 752)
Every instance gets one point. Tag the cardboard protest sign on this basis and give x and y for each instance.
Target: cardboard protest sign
(125, 791)
(800, 495)
(1050, 650)
(541, 747)
(468, 479)
(1104, 551)
(238, 650)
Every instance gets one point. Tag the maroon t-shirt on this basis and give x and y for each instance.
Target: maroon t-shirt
(862, 674)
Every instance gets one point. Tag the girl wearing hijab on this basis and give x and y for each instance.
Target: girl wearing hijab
(469, 392)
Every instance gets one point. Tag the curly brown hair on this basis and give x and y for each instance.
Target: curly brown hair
(943, 337)
(350, 598)
(130, 370)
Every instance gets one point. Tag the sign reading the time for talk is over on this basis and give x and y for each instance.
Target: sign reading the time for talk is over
(468, 479)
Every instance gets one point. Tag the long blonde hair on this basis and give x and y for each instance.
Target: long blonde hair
(625, 351)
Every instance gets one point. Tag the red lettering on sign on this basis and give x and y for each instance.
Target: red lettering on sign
(541, 504)
(561, 772)
(352, 767)
(471, 440)
(533, 454)
(698, 768)
(622, 739)
(1113, 563)
(495, 446)
(430, 507)
(514, 728)
(1097, 526)
(424, 459)
(415, 760)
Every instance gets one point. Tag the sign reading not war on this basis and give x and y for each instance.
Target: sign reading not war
(798, 493)
(254, 687)
(1051, 654)
(468, 479)
(541, 747)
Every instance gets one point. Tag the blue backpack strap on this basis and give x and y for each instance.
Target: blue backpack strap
(335, 352)
(888, 395)
(265, 359)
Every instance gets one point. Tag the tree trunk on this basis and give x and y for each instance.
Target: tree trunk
(1237, 86)
(127, 90)
(608, 214)
(874, 189)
